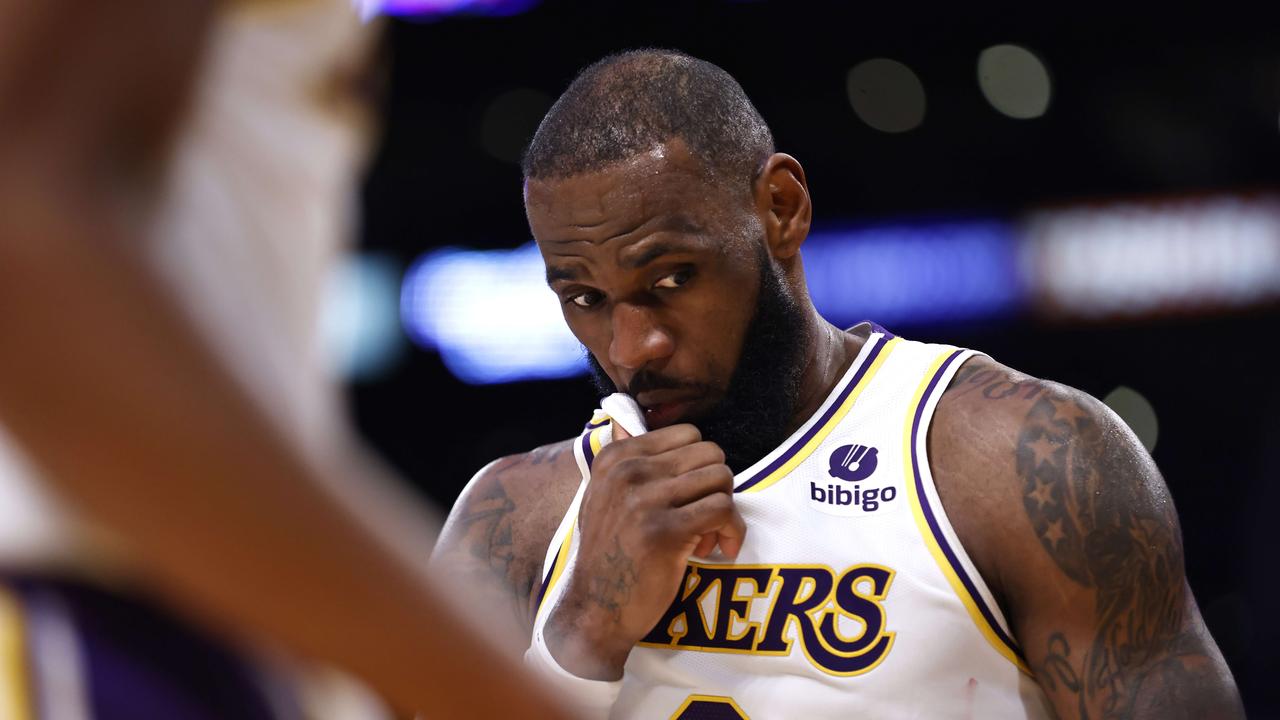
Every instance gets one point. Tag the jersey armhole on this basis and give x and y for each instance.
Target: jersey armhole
(594, 436)
(931, 518)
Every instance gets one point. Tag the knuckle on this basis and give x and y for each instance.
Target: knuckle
(689, 433)
(724, 474)
(628, 470)
(712, 451)
(720, 504)
(610, 453)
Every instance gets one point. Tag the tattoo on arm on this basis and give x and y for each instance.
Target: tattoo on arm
(1111, 528)
(611, 588)
(992, 384)
(487, 524)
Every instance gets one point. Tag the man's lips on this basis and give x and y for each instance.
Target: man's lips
(664, 414)
(664, 407)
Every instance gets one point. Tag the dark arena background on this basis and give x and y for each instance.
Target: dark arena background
(1089, 195)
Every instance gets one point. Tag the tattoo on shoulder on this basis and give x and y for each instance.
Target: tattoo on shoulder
(548, 454)
(488, 526)
(994, 384)
(486, 522)
(1110, 529)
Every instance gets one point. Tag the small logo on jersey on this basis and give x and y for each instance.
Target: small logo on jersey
(853, 464)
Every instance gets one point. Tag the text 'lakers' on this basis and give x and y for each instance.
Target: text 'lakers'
(837, 618)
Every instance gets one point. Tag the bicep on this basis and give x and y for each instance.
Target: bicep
(1098, 596)
(494, 542)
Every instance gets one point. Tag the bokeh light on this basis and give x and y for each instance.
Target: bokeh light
(1014, 81)
(510, 121)
(360, 322)
(1137, 413)
(886, 95)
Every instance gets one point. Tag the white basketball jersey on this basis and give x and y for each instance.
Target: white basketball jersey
(851, 593)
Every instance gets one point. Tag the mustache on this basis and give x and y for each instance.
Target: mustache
(646, 380)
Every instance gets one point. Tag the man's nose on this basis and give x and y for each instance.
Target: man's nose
(638, 338)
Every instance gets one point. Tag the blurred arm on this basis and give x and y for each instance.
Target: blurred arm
(112, 394)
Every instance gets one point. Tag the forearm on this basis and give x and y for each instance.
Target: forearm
(133, 421)
(91, 92)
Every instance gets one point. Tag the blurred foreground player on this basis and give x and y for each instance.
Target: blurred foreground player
(135, 265)
(904, 530)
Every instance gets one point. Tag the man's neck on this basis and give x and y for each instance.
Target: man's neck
(831, 352)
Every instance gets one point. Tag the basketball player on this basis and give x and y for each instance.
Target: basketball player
(160, 370)
(849, 522)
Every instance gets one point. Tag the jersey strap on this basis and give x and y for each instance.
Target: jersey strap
(931, 520)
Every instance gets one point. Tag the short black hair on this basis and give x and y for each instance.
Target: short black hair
(629, 102)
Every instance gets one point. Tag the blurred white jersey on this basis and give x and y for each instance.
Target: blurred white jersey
(851, 594)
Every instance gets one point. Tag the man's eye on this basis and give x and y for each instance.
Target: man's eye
(586, 299)
(675, 279)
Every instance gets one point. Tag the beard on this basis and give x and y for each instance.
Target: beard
(755, 413)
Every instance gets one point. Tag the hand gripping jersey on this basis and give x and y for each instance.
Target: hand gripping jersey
(851, 593)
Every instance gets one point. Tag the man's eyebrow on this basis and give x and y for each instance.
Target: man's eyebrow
(561, 272)
(652, 252)
(657, 248)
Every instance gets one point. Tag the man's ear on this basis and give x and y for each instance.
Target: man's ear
(782, 200)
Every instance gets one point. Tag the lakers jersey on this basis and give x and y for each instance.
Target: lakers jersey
(851, 592)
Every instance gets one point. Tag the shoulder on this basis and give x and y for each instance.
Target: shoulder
(1069, 521)
(499, 528)
(1004, 444)
(991, 415)
(531, 480)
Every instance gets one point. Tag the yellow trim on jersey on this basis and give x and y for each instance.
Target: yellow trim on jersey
(596, 442)
(15, 701)
(562, 559)
(831, 423)
(717, 699)
(970, 603)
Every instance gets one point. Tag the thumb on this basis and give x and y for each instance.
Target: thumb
(619, 432)
(732, 534)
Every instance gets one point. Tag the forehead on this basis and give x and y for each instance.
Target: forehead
(665, 182)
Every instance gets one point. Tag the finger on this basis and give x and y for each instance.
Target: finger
(706, 543)
(710, 514)
(663, 440)
(691, 457)
(731, 536)
(619, 432)
(697, 484)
